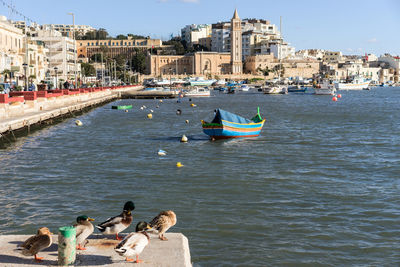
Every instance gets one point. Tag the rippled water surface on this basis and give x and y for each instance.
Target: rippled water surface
(319, 187)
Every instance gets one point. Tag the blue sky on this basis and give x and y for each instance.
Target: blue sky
(352, 26)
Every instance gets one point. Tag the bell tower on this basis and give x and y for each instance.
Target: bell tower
(236, 44)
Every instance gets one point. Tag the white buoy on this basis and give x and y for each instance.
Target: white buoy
(184, 139)
(161, 152)
(78, 123)
(151, 110)
(144, 106)
(187, 121)
(141, 108)
(160, 100)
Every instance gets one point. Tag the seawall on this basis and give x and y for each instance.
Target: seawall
(24, 111)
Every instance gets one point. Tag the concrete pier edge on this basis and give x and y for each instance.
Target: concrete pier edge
(100, 252)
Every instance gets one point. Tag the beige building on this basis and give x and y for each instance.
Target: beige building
(113, 48)
(333, 57)
(236, 44)
(292, 67)
(11, 49)
(199, 63)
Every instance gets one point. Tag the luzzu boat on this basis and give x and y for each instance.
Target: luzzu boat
(228, 125)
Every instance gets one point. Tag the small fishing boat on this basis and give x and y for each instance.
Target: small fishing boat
(327, 88)
(198, 92)
(122, 107)
(228, 125)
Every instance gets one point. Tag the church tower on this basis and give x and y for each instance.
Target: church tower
(236, 44)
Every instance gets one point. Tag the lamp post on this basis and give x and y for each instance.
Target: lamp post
(75, 52)
(56, 71)
(25, 66)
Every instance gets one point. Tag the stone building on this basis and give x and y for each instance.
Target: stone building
(292, 68)
(199, 63)
(236, 44)
(112, 48)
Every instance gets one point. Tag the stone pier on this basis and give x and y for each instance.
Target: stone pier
(100, 252)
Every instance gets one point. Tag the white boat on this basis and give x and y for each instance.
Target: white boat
(220, 82)
(358, 83)
(244, 88)
(275, 89)
(200, 81)
(161, 82)
(198, 92)
(325, 89)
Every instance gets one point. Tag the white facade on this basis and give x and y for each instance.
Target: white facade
(258, 37)
(192, 33)
(67, 30)
(11, 49)
(61, 54)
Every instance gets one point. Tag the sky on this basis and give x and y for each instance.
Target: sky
(350, 26)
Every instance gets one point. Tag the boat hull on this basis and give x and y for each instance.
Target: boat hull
(352, 86)
(324, 91)
(228, 129)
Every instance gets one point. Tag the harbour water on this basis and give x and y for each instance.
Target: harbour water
(319, 187)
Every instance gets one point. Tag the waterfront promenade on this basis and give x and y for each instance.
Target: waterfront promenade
(22, 110)
(100, 252)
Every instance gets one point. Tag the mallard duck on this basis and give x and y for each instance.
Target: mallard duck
(84, 228)
(36, 243)
(134, 243)
(119, 223)
(162, 222)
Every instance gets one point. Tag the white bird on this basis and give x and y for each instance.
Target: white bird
(134, 243)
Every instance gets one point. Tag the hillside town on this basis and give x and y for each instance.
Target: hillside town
(56, 56)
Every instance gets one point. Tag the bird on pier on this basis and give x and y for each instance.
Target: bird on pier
(34, 244)
(134, 243)
(162, 222)
(117, 224)
(84, 228)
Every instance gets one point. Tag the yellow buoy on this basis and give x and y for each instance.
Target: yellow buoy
(126, 110)
(149, 116)
(78, 123)
(179, 164)
(192, 105)
(184, 139)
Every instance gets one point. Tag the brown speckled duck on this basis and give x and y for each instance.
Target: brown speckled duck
(162, 222)
(119, 223)
(34, 244)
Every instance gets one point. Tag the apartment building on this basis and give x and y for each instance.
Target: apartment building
(67, 30)
(61, 54)
(191, 34)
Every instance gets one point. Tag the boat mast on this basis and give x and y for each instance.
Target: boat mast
(280, 50)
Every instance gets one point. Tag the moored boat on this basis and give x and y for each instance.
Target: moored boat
(229, 125)
(122, 107)
(357, 83)
(275, 89)
(325, 89)
(200, 81)
(198, 92)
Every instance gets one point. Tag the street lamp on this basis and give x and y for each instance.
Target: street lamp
(75, 52)
(56, 71)
(25, 66)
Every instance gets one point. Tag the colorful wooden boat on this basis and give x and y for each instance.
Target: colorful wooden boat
(122, 107)
(228, 125)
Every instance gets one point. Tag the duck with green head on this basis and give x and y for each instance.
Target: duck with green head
(134, 243)
(84, 228)
(117, 224)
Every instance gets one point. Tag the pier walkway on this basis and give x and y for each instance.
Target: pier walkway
(36, 108)
(100, 252)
